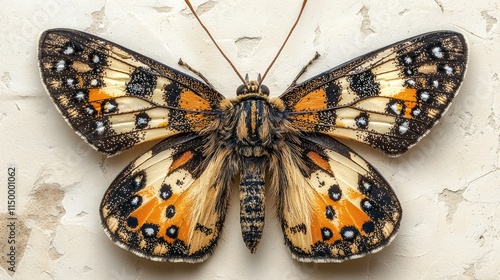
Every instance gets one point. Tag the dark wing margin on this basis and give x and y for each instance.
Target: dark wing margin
(388, 98)
(116, 98)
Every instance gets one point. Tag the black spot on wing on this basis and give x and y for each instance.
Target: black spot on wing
(326, 233)
(298, 228)
(98, 59)
(166, 191)
(363, 84)
(335, 193)
(369, 227)
(170, 212)
(173, 231)
(349, 233)
(205, 230)
(332, 95)
(109, 106)
(142, 120)
(132, 222)
(362, 120)
(172, 93)
(437, 51)
(142, 82)
(149, 230)
(329, 212)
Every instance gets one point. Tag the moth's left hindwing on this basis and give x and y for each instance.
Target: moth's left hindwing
(389, 98)
(169, 204)
(116, 98)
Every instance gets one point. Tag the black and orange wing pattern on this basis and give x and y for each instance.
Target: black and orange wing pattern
(334, 205)
(389, 98)
(116, 98)
(342, 208)
(169, 203)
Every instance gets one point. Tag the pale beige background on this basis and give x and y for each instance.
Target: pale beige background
(449, 184)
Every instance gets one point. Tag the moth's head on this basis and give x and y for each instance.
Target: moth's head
(252, 87)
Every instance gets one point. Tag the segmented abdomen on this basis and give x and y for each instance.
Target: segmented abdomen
(252, 202)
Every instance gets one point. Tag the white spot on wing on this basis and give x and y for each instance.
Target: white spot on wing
(96, 58)
(416, 112)
(424, 96)
(348, 234)
(80, 96)
(437, 52)
(367, 204)
(149, 231)
(336, 196)
(403, 128)
(108, 107)
(60, 65)
(142, 121)
(134, 201)
(396, 108)
(138, 180)
(99, 127)
(448, 70)
(362, 121)
(69, 50)
(89, 110)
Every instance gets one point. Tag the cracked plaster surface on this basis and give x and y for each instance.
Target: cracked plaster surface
(449, 184)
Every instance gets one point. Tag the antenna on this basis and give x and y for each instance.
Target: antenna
(215, 43)
(284, 43)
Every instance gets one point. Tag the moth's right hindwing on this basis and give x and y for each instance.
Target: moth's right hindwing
(334, 205)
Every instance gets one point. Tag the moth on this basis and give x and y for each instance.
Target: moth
(169, 204)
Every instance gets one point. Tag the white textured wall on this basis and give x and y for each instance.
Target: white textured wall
(449, 184)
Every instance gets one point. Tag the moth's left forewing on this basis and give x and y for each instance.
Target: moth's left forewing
(334, 206)
(388, 98)
(116, 98)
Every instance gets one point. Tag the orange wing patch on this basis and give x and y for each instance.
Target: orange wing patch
(313, 101)
(320, 161)
(326, 226)
(190, 101)
(408, 94)
(97, 94)
(162, 207)
(187, 156)
(195, 106)
(162, 213)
